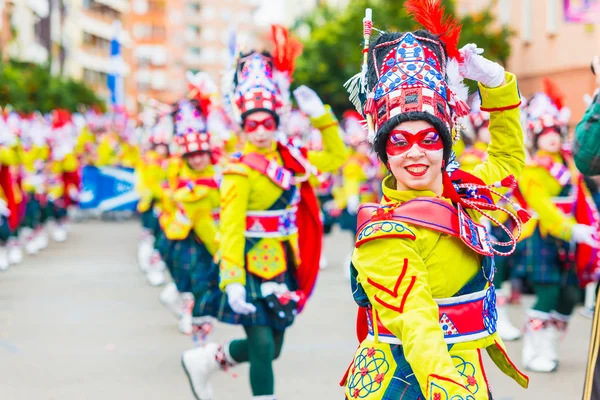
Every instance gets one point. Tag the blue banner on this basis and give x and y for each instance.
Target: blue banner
(108, 189)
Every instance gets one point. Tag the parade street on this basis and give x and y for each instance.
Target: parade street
(79, 322)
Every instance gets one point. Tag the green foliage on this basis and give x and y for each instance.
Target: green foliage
(333, 42)
(29, 87)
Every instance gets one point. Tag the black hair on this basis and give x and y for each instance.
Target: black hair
(384, 131)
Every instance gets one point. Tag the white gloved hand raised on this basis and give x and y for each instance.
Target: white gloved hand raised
(309, 102)
(236, 296)
(480, 69)
(584, 234)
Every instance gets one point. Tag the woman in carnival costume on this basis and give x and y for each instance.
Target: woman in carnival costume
(34, 153)
(422, 268)
(552, 188)
(270, 227)
(196, 196)
(61, 173)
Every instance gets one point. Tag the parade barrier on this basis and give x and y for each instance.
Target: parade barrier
(108, 189)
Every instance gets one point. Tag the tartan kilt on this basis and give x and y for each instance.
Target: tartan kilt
(328, 220)
(214, 303)
(53, 211)
(348, 221)
(546, 260)
(507, 267)
(33, 213)
(149, 220)
(190, 265)
(4, 229)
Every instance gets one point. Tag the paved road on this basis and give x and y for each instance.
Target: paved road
(79, 322)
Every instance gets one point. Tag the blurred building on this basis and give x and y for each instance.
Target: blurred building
(544, 45)
(22, 38)
(176, 36)
(87, 30)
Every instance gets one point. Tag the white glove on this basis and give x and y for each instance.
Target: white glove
(480, 69)
(309, 102)
(584, 234)
(236, 296)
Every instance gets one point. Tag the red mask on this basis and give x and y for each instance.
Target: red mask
(268, 123)
(399, 141)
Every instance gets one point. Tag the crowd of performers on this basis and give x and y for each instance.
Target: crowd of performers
(456, 204)
(41, 158)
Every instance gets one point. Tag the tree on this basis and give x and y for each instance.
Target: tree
(333, 42)
(30, 87)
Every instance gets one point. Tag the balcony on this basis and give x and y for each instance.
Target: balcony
(102, 29)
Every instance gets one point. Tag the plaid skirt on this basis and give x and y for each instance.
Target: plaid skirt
(213, 302)
(5, 232)
(164, 246)
(150, 221)
(33, 213)
(547, 260)
(190, 265)
(348, 221)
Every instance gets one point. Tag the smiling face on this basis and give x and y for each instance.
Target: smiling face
(550, 141)
(198, 161)
(260, 128)
(415, 156)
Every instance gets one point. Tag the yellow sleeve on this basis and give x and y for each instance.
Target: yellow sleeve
(395, 279)
(353, 177)
(235, 191)
(506, 151)
(105, 153)
(334, 153)
(537, 187)
(205, 226)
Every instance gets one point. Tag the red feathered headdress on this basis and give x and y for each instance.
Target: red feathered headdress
(432, 15)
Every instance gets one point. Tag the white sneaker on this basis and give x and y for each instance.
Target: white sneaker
(144, 252)
(59, 233)
(538, 346)
(170, 298)
(185, 321)
(15, 254)
(506, 330)
(155, 275)
(29, 241)
(3, 258)
(199, 364)
(41, 238)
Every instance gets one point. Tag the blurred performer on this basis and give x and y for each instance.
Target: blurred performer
(422, 268)
(549, 187)
(270, 228)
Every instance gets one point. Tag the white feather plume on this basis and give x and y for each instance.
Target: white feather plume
(455, 80)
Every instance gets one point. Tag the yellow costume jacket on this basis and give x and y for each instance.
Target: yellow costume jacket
(195, 198)
(245, 190)
(539, 188)
(402, 275)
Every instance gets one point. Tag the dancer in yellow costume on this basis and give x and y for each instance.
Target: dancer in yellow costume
(549, 186)
(270, 227)
(422, 267)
